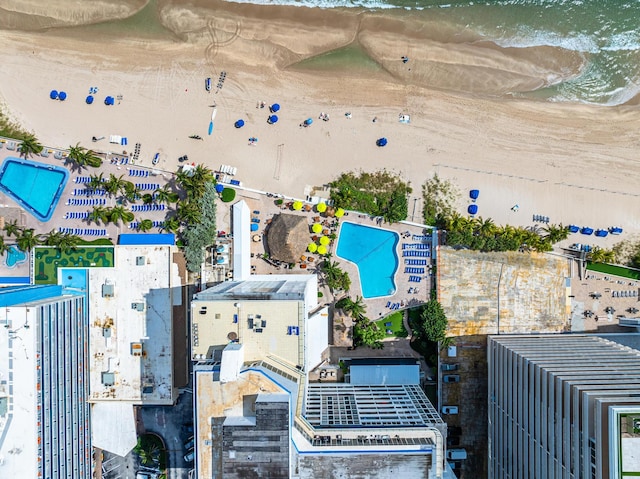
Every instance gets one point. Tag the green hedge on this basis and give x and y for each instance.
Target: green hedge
(228, 194)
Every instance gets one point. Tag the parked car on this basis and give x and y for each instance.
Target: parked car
(189, 443)
(449, 367)
(456, 454)
(451, 378)
(449, 409)
(188, 457)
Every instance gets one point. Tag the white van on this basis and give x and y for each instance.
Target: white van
(449, 409)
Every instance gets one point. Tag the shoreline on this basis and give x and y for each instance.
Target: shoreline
(515, 150)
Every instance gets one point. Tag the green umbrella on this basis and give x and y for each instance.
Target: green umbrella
(325, 240)
(316, 228)
(321, 207)
(312, 248)
(297, 205)
(339, 213)
(322, 249)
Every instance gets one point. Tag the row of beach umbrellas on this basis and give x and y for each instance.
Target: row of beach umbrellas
(58, 95)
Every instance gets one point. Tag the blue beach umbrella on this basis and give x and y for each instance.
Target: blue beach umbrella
(272, 119)
(473, 194)
(308, 121)
(89, 99)
(239, 124)
(109, 100)
(274, 108)
(472, 209)
(53, 95)
(62, 96)
(381, 142)
(586, 231)
(219, 188)
(574, 228)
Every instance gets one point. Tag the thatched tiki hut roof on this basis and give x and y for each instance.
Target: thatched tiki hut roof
(287, 237)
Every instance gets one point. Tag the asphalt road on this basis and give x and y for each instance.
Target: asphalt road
(167, 422)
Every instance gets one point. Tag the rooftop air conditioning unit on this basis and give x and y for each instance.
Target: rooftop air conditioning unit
(140, 261)
(107, 291)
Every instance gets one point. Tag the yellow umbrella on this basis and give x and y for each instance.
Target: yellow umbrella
(321, 207)
(339, 213)
(312, 248)
(297, 205)
(316, 228)
(325, 240)
(322, 249)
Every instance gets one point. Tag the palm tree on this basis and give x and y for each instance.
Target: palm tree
(145, 225)
(96, 181)
(91, 159)
(116, 214)
(28, 239)
(148, 455)
(355, 309)
(485, 227)
(113, 184)
(4, 247)
(148, 198)
(129, 191)
(78, 155)
(555, 233)
(62, 241)
(165, 195)
(188, 212)
(29, 146)
(12, 228)
(99, 214)
(171, 224)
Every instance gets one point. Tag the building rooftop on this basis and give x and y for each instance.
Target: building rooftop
(256, 287)
(130, 318)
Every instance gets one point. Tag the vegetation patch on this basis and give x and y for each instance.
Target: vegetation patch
(203, 233)
(11, 129)
(614, 270)
(228, 195)
(394, 324)
(151, 451)
(379, 194)
(49, 259)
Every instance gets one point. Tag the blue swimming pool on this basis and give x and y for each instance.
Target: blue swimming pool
(34, 186)
(15, 256)
(373, 251)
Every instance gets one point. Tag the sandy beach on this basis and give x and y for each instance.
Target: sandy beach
(573, 163)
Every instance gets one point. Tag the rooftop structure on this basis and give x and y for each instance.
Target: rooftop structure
(241, 241)
(44, 417)
(564, 406)
(131, 339)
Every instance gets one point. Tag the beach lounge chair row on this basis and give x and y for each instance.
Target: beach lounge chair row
(223, 178)
(82, 179)
(147, 186)
(78, 215)
(423, 238)
(391, 305)
(415, 262)
(414, 270)
(414, 279)
(229, 170)
(293, 330)
(148, 207)
(143, 173)
(87, 202)
(423, 254)
(415, 246)
(625, 294)
(88, 192)
(541, 219)
(158, 224)
(83, 231)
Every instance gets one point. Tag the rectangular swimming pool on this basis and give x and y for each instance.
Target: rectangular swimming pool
(36, 187)
(373, 251)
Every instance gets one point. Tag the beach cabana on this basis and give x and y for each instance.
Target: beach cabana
(601, 233)
(272, 119)
(297, 205)
(321, 207)
(89, 99)
(381, 141)
(472, 209)
(312, 248)
(239, 123)
(573, 228)
(274, 108)
(316, 228)
(62, 96)
(586, 231)
(322, 249)
(473, 194)
(287, 237)
(53, 95)
(325, 240)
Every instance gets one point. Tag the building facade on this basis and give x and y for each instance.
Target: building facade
(564, 406)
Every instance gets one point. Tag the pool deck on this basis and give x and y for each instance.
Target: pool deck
(58, 218)
(376, 307)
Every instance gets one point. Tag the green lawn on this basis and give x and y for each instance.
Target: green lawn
(614, 270)
(396, 327)
(48, 260)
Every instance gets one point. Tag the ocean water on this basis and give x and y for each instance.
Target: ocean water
(604, 33)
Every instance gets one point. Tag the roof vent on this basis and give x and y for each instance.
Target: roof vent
(140, 261)
(107, 291)
(137, 306)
